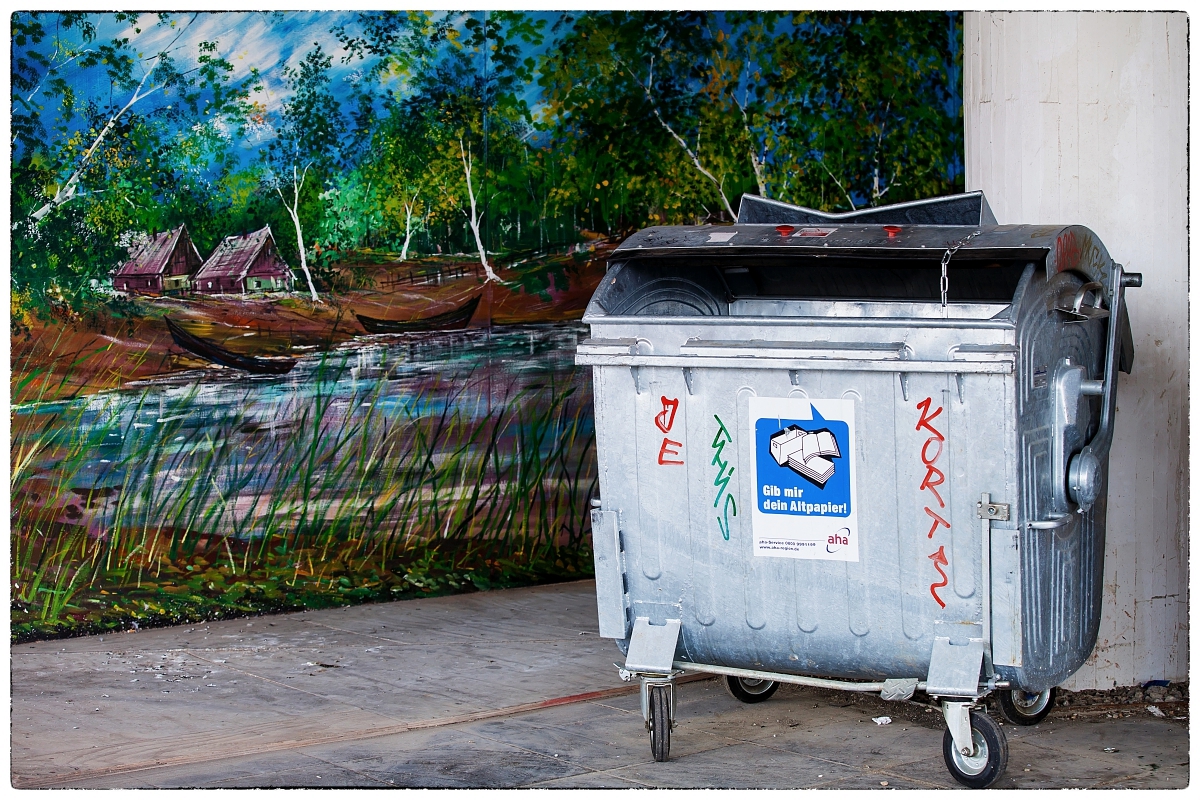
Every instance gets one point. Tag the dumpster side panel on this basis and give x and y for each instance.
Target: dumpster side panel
(1062, 568)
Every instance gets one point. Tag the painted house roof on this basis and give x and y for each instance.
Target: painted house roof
(235, 255)
(152, 257)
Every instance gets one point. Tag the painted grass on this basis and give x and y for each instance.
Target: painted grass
(377, 496)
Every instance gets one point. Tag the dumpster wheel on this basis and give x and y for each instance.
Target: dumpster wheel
(1026, 708)
(987, 763)
(750, 690)
(660, 722)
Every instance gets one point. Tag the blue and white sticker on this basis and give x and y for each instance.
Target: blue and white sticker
(804, 478)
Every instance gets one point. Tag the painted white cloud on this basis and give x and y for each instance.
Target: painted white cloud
(247, 39)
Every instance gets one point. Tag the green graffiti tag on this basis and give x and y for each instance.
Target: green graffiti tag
(721, 482)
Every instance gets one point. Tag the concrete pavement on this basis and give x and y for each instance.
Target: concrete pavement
(496, 689)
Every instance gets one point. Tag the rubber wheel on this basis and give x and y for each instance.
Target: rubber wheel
(750, 690)
(660, 723)
(1026, 708)
(987, 764)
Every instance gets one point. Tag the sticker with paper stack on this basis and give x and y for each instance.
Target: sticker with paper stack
(804, 478)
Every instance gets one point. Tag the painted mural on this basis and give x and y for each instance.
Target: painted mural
(295, 295)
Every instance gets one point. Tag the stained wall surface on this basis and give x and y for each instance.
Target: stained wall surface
(1082, 118)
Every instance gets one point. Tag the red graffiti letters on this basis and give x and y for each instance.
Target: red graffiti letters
(664, 420)
(926, 422)
(939, 560)
(1066, 252)
(937, 520)
(931, 482)
(668, 449)
(931, 451)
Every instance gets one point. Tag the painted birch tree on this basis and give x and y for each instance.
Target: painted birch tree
(304, 156)
(400, 159)
(103, 133)
(459, 84)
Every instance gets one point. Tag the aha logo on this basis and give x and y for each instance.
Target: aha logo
(838, 540)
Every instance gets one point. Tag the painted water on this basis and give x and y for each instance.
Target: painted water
(471, 441)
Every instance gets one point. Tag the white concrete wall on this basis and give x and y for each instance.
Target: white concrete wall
(1082, 118)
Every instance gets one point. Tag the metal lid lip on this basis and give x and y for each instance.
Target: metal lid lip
(595, 318)
(912, 240)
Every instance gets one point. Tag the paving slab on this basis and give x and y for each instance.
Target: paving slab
(268, 683)
(496, 689)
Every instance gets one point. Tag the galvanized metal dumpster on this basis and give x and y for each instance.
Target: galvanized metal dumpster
(865, 451)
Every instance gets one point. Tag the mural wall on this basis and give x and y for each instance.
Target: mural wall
(295, 295)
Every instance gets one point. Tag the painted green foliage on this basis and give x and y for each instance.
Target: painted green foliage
(92, 161)
(858, 109)
(624, 93)
(485, 133)
(667, 111)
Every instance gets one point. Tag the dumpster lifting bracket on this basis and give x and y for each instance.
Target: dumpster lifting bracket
(688, 378)
(636, 372)
(954, 669)
(652, 647)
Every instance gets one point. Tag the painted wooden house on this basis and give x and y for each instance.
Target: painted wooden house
(162, 265)
(244, 263)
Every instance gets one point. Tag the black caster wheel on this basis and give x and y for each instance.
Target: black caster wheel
(1026, 708)
(983, 767)
(750, 690)
(660, 722)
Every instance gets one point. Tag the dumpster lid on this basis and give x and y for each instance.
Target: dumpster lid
(970, 208)
(1061, 247)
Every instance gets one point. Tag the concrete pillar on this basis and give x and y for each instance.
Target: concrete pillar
(1082, 118)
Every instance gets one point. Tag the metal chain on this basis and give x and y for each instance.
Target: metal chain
(951, 250)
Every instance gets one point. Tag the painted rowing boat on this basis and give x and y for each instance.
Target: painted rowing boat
(450, 320)
(211, 351)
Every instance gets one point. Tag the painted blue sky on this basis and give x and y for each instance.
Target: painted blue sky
(268, 40)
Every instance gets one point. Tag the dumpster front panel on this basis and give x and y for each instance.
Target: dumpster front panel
(690, 496)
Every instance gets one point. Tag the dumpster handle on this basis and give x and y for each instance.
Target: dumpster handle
(1051, 524)
(1103, 437)
(1084, 470)
(1083, 290)
(1087, 462)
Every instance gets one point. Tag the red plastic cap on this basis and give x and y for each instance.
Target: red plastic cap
(892, 230)
(784, 230)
